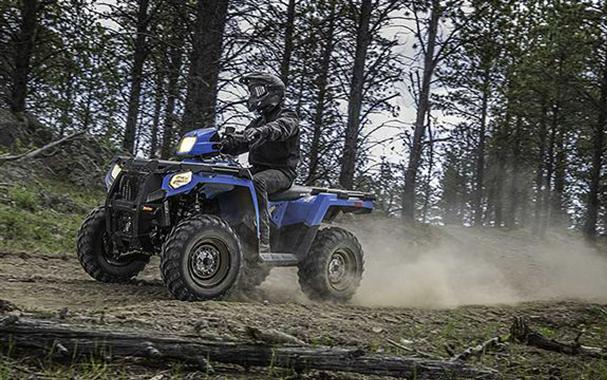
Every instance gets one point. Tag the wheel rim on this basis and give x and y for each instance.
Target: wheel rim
(107, 251)
(341, 269)
(208, 262)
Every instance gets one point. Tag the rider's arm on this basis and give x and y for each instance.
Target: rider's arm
(234, 147)
(281, 129)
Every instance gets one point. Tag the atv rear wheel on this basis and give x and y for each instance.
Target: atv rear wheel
(201, 259)
(95, 252)
(333, 269)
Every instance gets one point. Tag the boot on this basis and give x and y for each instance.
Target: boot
(264, 241)
(264, 247)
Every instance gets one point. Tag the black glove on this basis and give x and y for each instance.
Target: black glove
(227, 144)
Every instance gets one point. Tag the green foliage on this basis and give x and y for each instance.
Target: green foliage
(24, 198)
(28, 224)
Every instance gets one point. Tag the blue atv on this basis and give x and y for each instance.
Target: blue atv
(200, 215)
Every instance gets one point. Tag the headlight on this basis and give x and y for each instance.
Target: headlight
(186, 145)
(180, 179)
(115, 171)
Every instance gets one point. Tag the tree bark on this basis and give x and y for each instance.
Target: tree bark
(547, 194)
(24, 50)
(479, 174)
(158, 96)
(78, 342)
(539, 175)
(363, 38)
(423, 107)
(174, 63)
(288, 52)
(598, 148)
(558, 214)
(139, 57)
(323, 78)
(201, 99)
(513, 193)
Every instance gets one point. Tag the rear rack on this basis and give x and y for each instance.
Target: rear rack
(344, 194)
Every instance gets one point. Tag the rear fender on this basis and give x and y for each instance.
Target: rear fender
(235, 196)
(313, 210)
(298, 221)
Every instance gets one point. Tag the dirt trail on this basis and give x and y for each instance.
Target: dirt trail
(46, 284)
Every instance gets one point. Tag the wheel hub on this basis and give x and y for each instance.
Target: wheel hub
(206, 261)
(337, 268)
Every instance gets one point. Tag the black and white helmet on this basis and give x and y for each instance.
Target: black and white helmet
(266, 91)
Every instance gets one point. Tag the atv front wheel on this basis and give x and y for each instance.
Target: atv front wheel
(201, 259)
(96, 256)
(334, 267)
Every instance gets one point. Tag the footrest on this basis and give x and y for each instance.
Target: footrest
(279, 259)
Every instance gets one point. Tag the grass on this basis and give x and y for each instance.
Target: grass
(43, 216)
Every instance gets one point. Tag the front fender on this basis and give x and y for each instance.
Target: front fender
(215, 186)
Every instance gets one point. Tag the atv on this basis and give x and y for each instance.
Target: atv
(199, 213)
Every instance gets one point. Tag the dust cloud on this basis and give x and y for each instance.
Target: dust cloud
(452, 266)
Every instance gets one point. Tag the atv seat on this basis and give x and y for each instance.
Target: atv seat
(293, 193)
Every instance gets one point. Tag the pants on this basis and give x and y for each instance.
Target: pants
(267, 182)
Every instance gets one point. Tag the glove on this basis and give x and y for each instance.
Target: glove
(227, 144)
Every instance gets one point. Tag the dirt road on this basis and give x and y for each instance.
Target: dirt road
(46, 285)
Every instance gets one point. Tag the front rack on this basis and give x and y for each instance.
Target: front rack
(165, 166)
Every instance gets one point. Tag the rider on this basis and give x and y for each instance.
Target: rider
(272, 140)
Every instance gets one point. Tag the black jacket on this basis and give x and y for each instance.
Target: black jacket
(279, 148)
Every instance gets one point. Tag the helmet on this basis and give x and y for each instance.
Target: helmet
(266, 91)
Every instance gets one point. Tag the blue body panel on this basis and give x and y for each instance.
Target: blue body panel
(204, 144)
(212, 185)
(311, 209)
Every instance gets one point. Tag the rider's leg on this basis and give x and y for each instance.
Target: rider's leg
(267, 182)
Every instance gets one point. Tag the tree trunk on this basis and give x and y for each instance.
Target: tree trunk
(139, 57)
(174, 63)
(598, 148)
(68, 97)
(158, 96)
(363, 38)
(479, 174)
(289, 29)
(539, 176)
(427, 183)
(24, 48)
(323, 77)
(201, 99)
(409, 196)
(546, 199)
(513, 193)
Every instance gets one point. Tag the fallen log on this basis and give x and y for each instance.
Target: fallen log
(78, 341)
(35, 152)
(520, 332)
